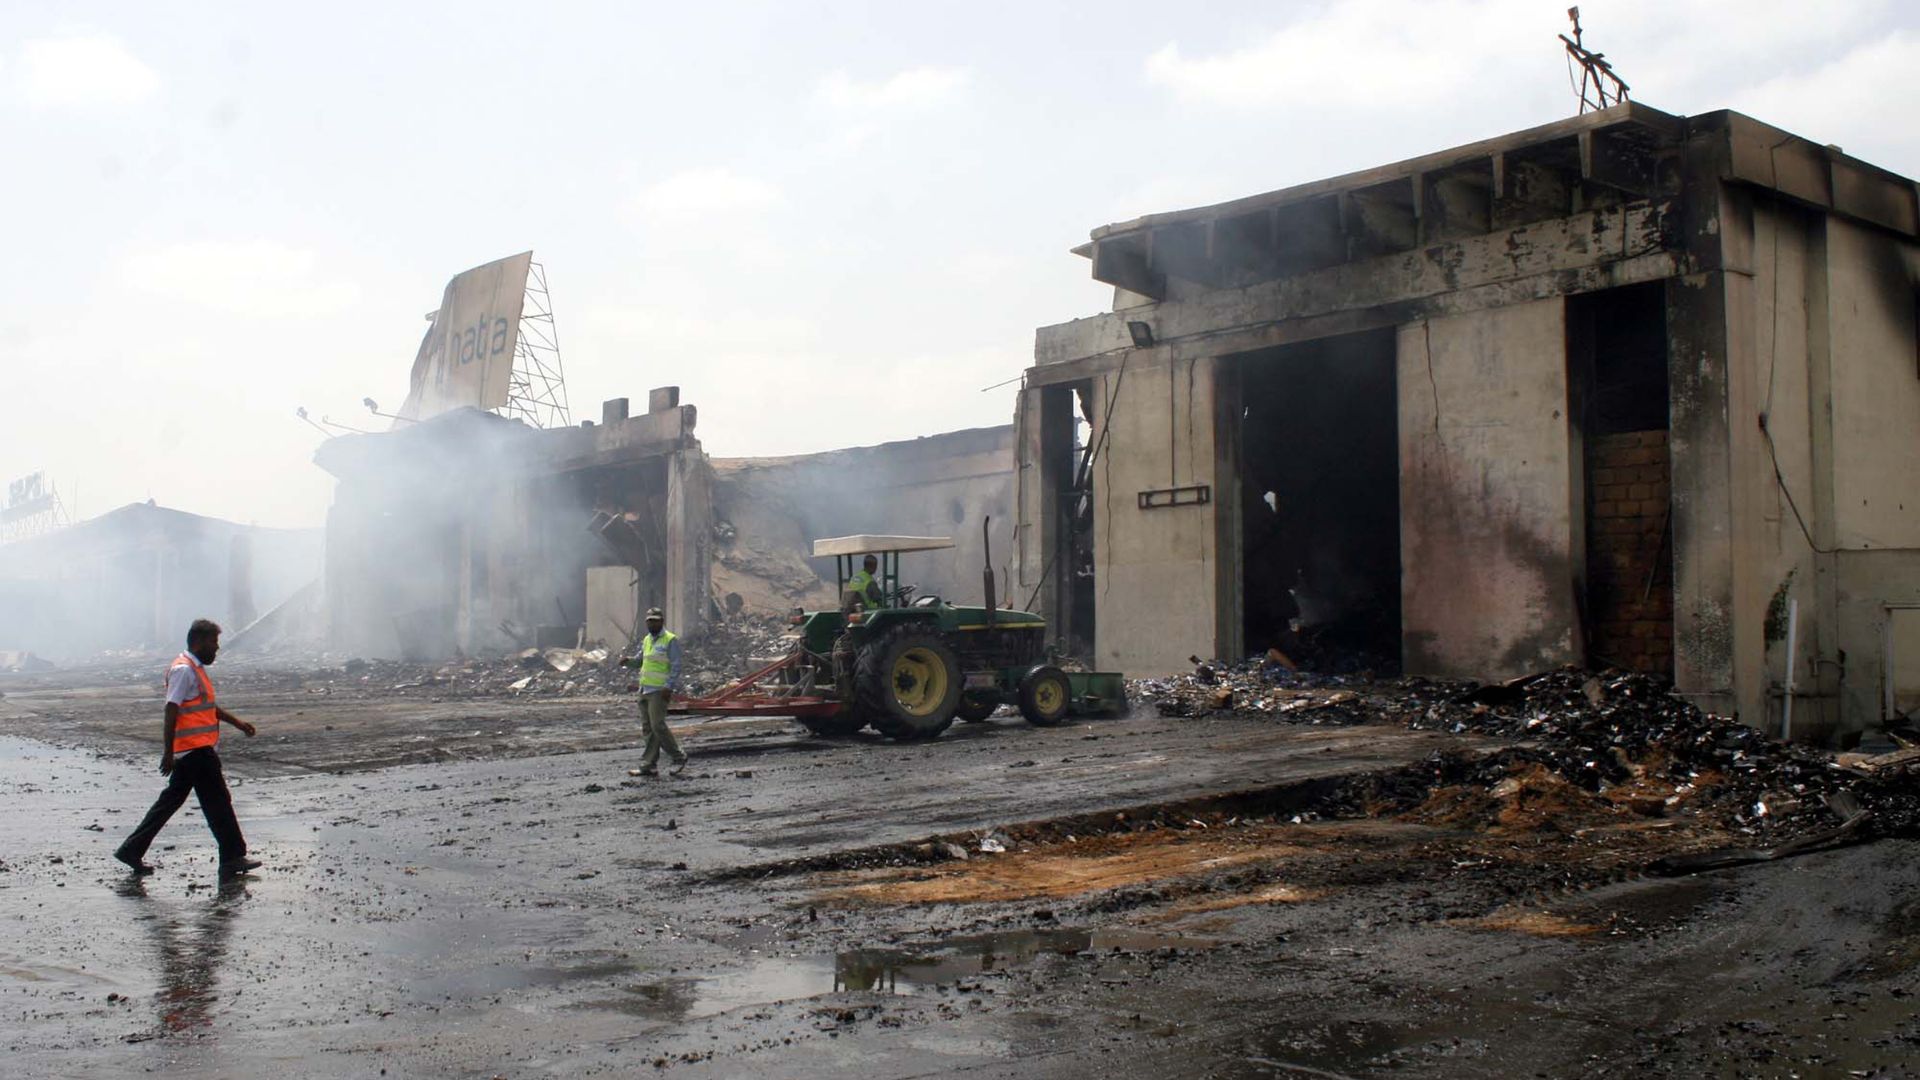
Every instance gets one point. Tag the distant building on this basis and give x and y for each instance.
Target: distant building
(1628, 389)
(134, 578)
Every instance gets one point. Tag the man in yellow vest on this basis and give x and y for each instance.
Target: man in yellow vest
(863, 586)
(658, 659)
(189, 762)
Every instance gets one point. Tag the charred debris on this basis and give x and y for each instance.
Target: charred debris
(1613, 745)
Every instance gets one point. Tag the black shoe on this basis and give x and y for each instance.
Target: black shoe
(238, 866)
(678, 767)
(138, 866)
(648, 771)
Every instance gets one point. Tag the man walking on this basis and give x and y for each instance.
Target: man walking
(659, 662)
(190, 762)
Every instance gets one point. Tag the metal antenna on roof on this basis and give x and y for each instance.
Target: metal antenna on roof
(1599, 87)
(537, 389)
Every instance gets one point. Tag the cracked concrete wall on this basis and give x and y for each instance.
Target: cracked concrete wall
(1486, 498)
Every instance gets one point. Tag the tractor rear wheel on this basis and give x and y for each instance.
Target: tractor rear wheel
(1045, 695)
(908, 684)
(975, 708)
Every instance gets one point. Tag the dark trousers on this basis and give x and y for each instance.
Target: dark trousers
(197, 771)
(653, 713)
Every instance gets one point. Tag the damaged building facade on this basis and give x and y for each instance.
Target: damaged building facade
(470, 532)
(1629, 389)
(474, 534)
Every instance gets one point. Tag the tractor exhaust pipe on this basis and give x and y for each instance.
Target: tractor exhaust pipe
(986, 541)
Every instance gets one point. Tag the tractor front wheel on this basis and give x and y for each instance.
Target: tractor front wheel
(909, 684)
(1045, 695)
(976, 707)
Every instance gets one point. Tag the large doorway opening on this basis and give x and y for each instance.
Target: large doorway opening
(1319, 463)
(1617, 395)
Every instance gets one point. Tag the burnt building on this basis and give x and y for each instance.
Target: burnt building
(471, 533)
(1630, 389)
(467, 533)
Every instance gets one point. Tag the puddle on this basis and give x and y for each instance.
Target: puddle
(504, 976)
(887, 971)
(900, 972)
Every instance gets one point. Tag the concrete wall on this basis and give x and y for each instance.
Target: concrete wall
(1157, 572)
(1876, 388)
(1770, 336)
(1815, 513)
(1873, 587)
(1810, 331)
(1875, 362)
(689, 541)
(1486, 499)
(613, 606)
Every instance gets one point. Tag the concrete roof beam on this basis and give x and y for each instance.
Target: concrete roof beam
(1383, 219)
(1127, 262)
(1533, 188)
(1457, 203)
(1618, 159)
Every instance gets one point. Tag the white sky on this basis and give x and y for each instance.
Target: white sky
(831, 225)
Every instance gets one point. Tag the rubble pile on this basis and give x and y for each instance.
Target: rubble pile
(1622, 739)
(731, 647)
(724, 652)
(13, 660)
(530, 672)
(1268, 685)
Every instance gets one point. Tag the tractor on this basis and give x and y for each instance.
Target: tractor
(911, 664)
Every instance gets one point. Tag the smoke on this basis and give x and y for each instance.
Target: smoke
(461, 535)
(134, 578)
(772, 509)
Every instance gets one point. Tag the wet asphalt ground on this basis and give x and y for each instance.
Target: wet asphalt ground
(534, 911)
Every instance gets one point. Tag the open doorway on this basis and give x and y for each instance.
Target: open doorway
(1068, 448)
(1319, 459)
(1617, 396)
(1064, 589)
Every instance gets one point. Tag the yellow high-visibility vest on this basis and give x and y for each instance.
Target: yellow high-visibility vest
(655, 665)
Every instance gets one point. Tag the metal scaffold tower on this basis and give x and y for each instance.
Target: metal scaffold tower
(537, 389)
(1599, 88)
(33, 509)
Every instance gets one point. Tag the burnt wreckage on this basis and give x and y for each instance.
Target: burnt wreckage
(1630, 389)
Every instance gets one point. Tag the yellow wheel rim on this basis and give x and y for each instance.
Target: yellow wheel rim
(1050, 696)
(919, 682)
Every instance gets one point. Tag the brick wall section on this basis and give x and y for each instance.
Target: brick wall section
(1628, 543)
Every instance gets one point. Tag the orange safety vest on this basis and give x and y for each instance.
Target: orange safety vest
(199, 723)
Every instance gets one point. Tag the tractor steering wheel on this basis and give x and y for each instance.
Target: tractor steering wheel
(904, 595)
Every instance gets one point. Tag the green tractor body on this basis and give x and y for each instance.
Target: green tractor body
(910, 665)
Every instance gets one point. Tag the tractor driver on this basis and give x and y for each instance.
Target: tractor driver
(864, 587)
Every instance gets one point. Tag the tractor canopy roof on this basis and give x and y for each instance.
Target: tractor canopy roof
(867, 543)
